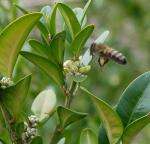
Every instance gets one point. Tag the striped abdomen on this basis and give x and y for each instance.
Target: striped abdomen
(116, 56)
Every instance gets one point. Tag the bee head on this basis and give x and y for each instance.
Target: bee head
(92, 48)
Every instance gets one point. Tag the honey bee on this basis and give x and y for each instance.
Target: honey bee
(105, 53)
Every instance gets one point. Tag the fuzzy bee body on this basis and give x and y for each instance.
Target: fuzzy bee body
(105, 53)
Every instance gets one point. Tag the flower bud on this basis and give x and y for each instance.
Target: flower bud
(85, 69)
(67, 63)
(66, 70)
(73, 68)
(77, 63)
(5, 82)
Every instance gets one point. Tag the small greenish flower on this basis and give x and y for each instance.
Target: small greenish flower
(30, 130)
(85, 69)
(5, 82)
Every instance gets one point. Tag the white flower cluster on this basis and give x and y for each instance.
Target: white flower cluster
(5, 82)
(75, 68)
(30, 129)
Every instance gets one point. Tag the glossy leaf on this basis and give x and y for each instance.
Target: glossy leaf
(14, 97)
(39, 47)
(134, 102)
(88, 137)
(12, 39)
(85, 10)
(47, 66)
(40, 25)
(109, 118)
(37, 140)
(81, 39)
(52, 21)
(44, 104)
(57, 47)
(67, 116)
(70, 19)
(134, 128)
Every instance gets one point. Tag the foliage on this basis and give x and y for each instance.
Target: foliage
(61, 55)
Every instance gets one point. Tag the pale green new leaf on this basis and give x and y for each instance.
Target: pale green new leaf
(12, 39)
(44, 104)
(110, 120)
(79, 13)
(46, 11)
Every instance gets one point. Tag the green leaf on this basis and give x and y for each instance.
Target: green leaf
(88, 137)
(44, 32)
(57, 46)
(67, 116)
(109, 118)
(47, 66)
(70, 19)
(39, 47)
(85, 10)
(134, 102)
(12, 39)
(52, 21)
(44, 105)
(14, 97)
(81, 39)
(134, 128)
(40, 25)
(37, 140)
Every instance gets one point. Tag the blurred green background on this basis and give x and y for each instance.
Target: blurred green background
(129, 24)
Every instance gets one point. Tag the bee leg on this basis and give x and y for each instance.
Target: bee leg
(102, 61)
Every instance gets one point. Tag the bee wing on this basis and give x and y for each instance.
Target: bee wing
(102, 37)
(86, 58)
